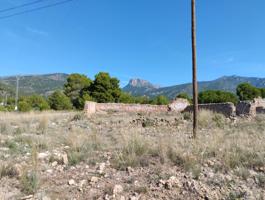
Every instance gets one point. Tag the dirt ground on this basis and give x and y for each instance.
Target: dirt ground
(136, 156)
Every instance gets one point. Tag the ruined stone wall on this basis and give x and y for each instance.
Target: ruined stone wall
(121, 107)
(250, 108)
(227, 109)
(92, 107)
(244, 108)
(178, 105)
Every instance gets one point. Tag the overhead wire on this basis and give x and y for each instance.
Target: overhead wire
(35, 9)
(21, 5)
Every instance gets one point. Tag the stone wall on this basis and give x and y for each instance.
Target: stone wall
(243, 108)
(178, 105)
(250, 108)
(92, 107)
(227, 109)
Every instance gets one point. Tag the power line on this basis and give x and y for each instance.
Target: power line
(21, 6)
(36, 9)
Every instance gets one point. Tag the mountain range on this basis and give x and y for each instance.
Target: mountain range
(47, 83)
(225, 83)
(34, 84)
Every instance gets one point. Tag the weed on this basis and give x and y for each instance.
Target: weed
(43, 125)
(261, 180)
(7, 170)
(29, 182)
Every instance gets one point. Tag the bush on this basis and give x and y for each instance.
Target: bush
(34, 102)
(160, 100)
(59, 101)
(216, 96)
(24, 106)
(183, 96)
(126, 98)
(245, 91)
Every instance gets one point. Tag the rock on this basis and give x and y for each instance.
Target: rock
(65, 159)
(17, 170)
(42, 156)
(170, 183)
(46, 198)
(101, 168)
(71, 182)
(94, 180)
(135, 197)
(129, 170)
(54, 163)
(27, 197)
(122, 198)
(117, 189)
(82, 183)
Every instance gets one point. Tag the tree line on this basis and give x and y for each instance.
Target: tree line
(103, 89)
(244, 92)
(77, 90)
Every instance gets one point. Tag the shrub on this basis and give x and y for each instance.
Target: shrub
(59, 101)
(24, 106)
(160, 100)
(245, 91)
(29, 182)
(184, 96)
(132, 154)
(34, 102)
(126, 98)
(216, 96)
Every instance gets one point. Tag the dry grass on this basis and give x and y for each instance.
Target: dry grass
(226, 145)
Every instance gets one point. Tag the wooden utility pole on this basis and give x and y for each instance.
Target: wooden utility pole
(17, 89)
(194, 69)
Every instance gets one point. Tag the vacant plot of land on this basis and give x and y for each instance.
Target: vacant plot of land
(130, 156)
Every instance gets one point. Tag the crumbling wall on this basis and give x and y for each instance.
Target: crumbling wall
(250, 108)
(90, 107)
(178, 105)
(121, 107)
(227, 109)
(243, 108)
(93, 107)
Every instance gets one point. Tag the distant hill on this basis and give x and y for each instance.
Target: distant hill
(226, 83)
(35, 84)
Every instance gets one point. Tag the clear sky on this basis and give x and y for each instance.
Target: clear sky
(148, 39)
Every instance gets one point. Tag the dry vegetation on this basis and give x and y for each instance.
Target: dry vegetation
(130, 156)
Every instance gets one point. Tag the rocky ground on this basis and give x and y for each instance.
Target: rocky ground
(130, 156)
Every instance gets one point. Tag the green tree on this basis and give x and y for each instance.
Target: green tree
(246, 91)
(73, 87)
(81, 100)
(184, 96)
(38, 102)
(142, 99)
(34, 102)
(126, 98)
(59, 101)
(105, 88)
(262, 92)
(217, 96)
(160, 100)
(24, 106)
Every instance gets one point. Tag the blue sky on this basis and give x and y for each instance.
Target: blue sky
(149, 39)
